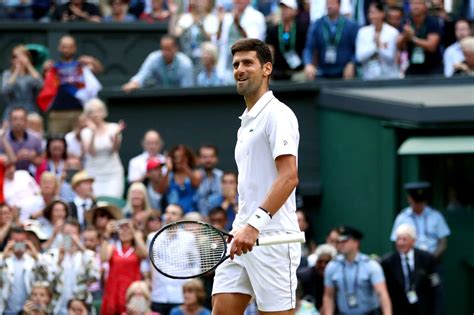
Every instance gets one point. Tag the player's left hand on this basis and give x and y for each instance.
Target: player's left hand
(243, 240)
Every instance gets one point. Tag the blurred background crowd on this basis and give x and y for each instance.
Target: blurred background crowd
(75, 221)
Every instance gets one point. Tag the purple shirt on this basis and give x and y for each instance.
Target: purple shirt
(31, 141)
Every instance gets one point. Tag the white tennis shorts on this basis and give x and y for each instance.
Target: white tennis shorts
(267, 273)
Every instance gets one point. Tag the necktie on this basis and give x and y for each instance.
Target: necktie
(409, 274)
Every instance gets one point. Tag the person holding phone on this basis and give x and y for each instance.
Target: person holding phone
(20, 266)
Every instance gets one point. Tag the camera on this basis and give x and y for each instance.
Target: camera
(19, 246)
(67, 242)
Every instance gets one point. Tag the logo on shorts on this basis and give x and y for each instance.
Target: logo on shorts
(285, 142)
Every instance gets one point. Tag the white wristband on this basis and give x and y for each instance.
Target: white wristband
(259, 219)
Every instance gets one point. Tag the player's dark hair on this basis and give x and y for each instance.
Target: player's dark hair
(264, 54)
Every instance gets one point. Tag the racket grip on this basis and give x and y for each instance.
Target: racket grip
(281, 239)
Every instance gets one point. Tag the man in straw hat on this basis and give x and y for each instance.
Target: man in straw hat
(83, 196)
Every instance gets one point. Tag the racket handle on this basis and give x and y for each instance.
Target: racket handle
(281, 239)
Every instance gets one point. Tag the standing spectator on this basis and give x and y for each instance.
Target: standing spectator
(119, 12)
(73, 268)
(242, 22)
(77, 10)
(421, 37)
(100, 216)
(91, 240)
(376, 46)
(55, 215)
(194, 297)
(26, 145)
(230, 198)
(194, 28)
(137, 207)
(154, 183)
(431, 228)
(466, 67)
(21, 83)
(210, 190)
(412, 278)
(124, 259)
(69, 83)
(101, 141)
(167, 67)
(20, 267)
(208, 75)
(7, 220)
(152, 145)
(453, 54)
(312, 278)
(287, 40)
(353, 280)
(182, 180)
(49, 189)
(330, 46)
(158, 13)
(83, 197)
(395, 17)
(166, 293)
(73, 138)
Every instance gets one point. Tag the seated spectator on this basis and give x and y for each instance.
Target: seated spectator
(26, 144)
(154, 183)
(467, 66)
(152, 145)
(421, 37)
(287, 40)
(309, 246)
(453, 54)
(376, 46)
(137, 207)
(330, 46)
(19, 187)
(217, 217)
(243, 22)
(210, 191)
(73, 268)
(119, 12)
(230, 198)
(194, 28)
(77, 10)
(77, 85)
(17, 10)
(163, 68)
(77, 306)
(181, 179)
(39, 302)
(208, 75)
(49, 191)
(311, 278)
(152, 224)
(55, 214)
(124, 259)
(158, 13)
(21, 83)
(100, 216)
(73, 137)
(101, 141)
(395, 17)
(22, 262)
(194, 298)
(7, 220)
(83, 199)
(138, 299)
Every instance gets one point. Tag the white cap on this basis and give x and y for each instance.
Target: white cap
(290, 4)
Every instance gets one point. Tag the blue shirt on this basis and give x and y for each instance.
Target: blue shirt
(183, 195)
(177, 74)
(345, 47)
(177, 311)
(430, 227)
(203, 79)
(209, 191)
(360, 277)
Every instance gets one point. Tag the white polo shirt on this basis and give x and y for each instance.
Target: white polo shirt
(268, 130)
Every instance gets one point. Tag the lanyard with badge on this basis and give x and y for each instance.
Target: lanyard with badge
(351, 297)
(418, 53)
(332, 42)
(412, 297)
(291, 56)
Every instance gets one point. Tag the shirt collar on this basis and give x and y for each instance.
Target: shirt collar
(425, 212)
(12, 136)
(259, 106)
(410, 254)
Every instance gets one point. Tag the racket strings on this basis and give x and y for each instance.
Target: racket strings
(187, 249)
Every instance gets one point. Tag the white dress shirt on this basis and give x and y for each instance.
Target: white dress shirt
(452, 55)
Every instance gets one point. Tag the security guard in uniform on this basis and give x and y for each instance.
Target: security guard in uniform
(355, 281)
(431, 227)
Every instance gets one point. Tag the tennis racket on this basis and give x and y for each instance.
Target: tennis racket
(189, 249)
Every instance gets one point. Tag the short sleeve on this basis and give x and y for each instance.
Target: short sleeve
(376, 273)
(432, 26)
(328, 272)
(397, 222)
(442, 228)
(282, 132)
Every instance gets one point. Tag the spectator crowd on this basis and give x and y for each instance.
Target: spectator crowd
(75, 222)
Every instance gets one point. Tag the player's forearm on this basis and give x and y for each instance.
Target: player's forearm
(281, 189)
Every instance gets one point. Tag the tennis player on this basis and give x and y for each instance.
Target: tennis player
(266, 154)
